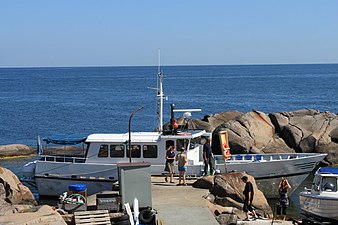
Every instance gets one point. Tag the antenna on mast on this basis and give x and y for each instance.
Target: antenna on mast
(159, 61)
(160, 95)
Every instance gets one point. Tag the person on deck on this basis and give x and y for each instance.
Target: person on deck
(248, 198)
(208, 158)
(181, 158)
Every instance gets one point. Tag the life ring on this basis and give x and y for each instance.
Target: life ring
(226, 151)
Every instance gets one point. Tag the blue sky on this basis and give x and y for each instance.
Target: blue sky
(188, 32)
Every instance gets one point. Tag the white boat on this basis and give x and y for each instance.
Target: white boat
(321, 201)
(97, 168)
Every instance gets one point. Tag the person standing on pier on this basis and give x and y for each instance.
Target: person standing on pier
(169, 163)
(181, 158)
(208, 158)
(248, 198)
(282, 201)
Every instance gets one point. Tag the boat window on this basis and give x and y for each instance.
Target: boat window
(329, 184)
(149, 151)
(182, 143)
(195, 141)
(117, 151)
(103, 152)
(135, 151)
(80, 161)
(316, 183)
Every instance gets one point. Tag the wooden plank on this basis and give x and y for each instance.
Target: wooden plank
(92, 217)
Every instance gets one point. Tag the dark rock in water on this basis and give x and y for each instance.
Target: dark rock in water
(12, 192)
(15, 150)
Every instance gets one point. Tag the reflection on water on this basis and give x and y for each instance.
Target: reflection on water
(15, 164)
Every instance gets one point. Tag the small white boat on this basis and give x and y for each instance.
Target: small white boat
(97, 168)
(321, 202)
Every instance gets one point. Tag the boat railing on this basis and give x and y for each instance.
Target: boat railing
(62, 159)
(256, 157)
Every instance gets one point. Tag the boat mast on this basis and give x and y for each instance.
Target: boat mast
(160, 95)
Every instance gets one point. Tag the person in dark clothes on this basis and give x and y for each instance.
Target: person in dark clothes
(283, 201)
(248, 198)
(208, 158)
(169, 163)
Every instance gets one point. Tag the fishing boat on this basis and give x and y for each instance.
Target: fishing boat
(97, 167)
(321, 201)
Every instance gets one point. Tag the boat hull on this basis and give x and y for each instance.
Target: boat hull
(322, 207)
(53, 178)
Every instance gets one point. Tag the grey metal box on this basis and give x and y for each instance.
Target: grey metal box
(135, 182)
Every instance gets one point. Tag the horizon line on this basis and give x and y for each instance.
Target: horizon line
(168, 65)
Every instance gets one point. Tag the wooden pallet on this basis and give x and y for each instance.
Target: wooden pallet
(92, 217)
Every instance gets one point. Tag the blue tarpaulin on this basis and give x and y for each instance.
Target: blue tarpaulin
(332, 170)
(62, 139)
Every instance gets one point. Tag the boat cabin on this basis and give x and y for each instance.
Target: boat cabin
(325, 181)
(145, 146)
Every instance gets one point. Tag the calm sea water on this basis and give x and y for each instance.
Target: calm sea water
(46, 101)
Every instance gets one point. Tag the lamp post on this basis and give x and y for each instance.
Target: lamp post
(129, 141)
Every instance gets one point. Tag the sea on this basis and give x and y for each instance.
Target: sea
(82, 100)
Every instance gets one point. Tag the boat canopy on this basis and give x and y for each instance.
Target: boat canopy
(121, 138)
(63, 139)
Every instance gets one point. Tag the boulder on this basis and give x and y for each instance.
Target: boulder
(231, 186)
(334, 135)
(228, 191)
(251, 132)
(218, 119)
(206, 182)
(15, 150)
(42, 215)
(13, 192)
(6, 207)
(308, 130)
(197, 124)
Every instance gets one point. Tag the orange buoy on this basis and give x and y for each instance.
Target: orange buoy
(175, 125)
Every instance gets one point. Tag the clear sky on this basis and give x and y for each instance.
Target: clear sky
(188, 32)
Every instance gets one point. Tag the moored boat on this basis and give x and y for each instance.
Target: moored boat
(97, 166)
(321, 201)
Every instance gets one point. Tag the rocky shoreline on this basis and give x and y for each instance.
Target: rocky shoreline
(301, 131)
